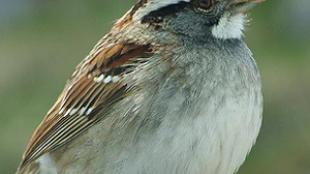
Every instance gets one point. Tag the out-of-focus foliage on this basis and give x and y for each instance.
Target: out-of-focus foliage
(42, 40)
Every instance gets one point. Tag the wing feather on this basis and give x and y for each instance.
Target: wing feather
(85, 95)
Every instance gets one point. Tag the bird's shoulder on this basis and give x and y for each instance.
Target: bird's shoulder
(96, 84)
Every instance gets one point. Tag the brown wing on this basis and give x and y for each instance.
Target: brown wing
(95, 86)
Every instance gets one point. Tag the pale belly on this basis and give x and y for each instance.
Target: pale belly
(211, 136)
(205, 123)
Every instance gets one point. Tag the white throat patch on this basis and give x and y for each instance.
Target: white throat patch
(229, 27)
(154, 5)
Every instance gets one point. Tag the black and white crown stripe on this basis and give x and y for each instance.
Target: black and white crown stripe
(154, 5)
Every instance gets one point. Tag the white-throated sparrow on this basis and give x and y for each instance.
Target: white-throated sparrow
(171, 89)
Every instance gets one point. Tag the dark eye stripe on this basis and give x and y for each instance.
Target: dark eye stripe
(205, 4)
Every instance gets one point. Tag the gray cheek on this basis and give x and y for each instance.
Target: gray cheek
(188, 23)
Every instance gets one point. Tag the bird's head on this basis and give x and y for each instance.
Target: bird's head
(223, 19)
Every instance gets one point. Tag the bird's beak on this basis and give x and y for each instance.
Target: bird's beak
(242, 6)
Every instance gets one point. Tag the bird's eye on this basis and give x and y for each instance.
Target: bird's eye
(205, 4)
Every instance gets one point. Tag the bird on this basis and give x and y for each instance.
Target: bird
(172, 88)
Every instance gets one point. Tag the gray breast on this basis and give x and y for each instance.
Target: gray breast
(199, 113)
(201, 117)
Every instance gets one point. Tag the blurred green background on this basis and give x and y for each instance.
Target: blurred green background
(41, 41)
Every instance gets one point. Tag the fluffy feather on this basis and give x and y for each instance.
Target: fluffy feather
(229, 27)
